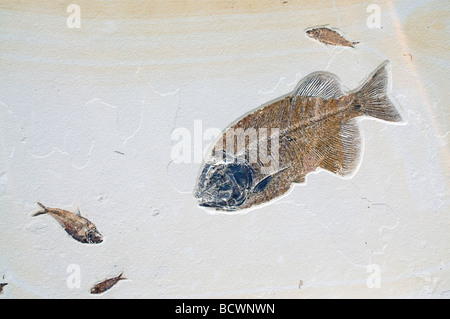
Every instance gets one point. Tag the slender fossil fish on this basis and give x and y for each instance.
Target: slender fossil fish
(75, 225)
(106, 284)
(317, 128)
(329, 36)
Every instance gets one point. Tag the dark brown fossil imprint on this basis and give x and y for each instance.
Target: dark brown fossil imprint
(330, 37)
(74, 224)
(317, 128)
(1, 287)
(106, 284)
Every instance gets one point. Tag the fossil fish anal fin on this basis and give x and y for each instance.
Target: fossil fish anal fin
(322, 85)
(339, 150)
(299, 180)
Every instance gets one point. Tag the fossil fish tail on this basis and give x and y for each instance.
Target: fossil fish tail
(121, 277)
(45, 210)
(373, 98)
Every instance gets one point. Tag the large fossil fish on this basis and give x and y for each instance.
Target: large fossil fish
(75, 225)
(317, 128)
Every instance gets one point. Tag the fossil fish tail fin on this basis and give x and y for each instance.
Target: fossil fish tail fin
(121, 277)
(45, 210)
(374, 99)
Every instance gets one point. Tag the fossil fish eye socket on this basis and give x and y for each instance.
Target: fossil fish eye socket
(312, 33)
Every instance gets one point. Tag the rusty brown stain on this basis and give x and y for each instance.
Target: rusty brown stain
(80, 228)
(409, 55)
(330, 37)
(106, 284)
(317, 129)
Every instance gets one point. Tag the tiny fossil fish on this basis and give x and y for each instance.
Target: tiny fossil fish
(329, 36)
(106, 284)
(317, 128)
(75, 225)
(1, 287)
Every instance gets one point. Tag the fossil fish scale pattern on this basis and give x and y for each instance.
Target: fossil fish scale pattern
(317, 128)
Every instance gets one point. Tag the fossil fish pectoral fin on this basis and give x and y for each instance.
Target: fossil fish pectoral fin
(262, 184)
(259, 187)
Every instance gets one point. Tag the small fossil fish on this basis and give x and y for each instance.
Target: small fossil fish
(329, 36)
(106, 284)
(1, 287)
(75, 225)
(317, 128)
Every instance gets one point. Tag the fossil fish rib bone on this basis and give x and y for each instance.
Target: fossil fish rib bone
(317, 128)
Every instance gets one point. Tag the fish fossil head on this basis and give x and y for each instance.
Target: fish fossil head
(313, 33)
(224, 185)
(93, 236)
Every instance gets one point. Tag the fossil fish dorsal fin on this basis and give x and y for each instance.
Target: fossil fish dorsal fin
(320, 85)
